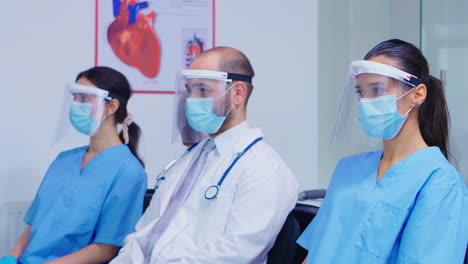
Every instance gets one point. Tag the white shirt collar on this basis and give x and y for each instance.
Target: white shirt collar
(236, 139)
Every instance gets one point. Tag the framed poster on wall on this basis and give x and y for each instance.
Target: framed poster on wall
(150, 41)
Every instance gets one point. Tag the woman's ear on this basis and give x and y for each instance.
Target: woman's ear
(419, 95)
(112, 106)
(239, 93)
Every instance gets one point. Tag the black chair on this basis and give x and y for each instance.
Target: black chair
(304, 215)
(284, 249)
(148, 195)
(466, 255)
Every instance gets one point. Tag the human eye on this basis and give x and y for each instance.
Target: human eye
(379, 91)
(359, 92)
(79, 98)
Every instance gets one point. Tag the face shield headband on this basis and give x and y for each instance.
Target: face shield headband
(364, 66)
(215, 75)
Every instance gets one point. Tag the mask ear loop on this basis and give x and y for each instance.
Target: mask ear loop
(108, 99)
(232, 106)
(404, 96)
(227, 90)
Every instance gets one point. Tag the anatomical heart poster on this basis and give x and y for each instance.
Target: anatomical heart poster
(151, 41)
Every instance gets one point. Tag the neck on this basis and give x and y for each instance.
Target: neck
(408, 141)
(105, 137)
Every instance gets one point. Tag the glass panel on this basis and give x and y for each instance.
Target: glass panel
(444, 41)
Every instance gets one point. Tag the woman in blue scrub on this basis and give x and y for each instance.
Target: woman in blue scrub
(404, 203)
(91, 197)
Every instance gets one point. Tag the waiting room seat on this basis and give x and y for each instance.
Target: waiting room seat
(284, 249)
(304, 215)
(466, 255)
(148, 195)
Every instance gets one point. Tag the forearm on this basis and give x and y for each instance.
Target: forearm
(94, 253)
(22, 243)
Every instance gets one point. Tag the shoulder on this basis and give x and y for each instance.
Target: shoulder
(72, 152)
(354, 168)
(357, 160)
(264, 154)
(263, 164)
(125, 164)
(444, 175)
(128, 162)
(66, 157)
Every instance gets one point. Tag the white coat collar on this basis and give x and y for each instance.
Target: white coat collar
(236, 139)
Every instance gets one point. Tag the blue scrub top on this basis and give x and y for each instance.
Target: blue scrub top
(416, 213)
(74, 208)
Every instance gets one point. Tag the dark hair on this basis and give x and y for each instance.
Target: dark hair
(234, 61)
(433, 115)
(116, 83)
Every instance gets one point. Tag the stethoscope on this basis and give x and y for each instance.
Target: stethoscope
(212, 191)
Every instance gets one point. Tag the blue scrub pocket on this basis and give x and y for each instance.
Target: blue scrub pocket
(380, 231)
(81, 211)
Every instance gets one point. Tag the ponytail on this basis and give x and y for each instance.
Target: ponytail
(434, 116)
(134, 133)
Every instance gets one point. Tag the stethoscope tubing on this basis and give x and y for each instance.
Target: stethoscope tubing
(213, 190)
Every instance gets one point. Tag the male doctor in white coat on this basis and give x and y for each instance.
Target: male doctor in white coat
(227, 198)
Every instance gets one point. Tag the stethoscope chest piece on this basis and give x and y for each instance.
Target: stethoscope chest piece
(212, 192)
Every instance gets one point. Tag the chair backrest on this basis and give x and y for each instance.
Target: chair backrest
(284, 249)
(304, 215)
(466, 255)
(148, 195)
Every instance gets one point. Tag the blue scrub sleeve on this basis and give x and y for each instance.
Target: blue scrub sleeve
(8, 260)
(122, 208)
(437, 230)
(32, 211)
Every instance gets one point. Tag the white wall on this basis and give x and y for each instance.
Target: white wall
(45, 44)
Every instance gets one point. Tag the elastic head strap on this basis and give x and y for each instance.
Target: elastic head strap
(121, 99)
(239, 77)
(215, 75)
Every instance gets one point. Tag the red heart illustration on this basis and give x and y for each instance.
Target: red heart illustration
(135, 42)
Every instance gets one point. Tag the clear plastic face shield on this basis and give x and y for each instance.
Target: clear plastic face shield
(82, 113)
(372, 107)
(202, 103)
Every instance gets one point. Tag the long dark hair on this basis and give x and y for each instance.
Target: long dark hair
(115, 82)
(433, 114)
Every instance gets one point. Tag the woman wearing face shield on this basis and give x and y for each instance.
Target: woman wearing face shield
(91, 197)
(404, 203)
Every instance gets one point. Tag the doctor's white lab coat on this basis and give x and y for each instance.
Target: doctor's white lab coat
(239, 226)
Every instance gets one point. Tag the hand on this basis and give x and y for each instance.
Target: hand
(8, 260)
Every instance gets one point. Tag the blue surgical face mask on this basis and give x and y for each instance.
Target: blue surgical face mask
(200, 115)
(379, 116)
(81, 119)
